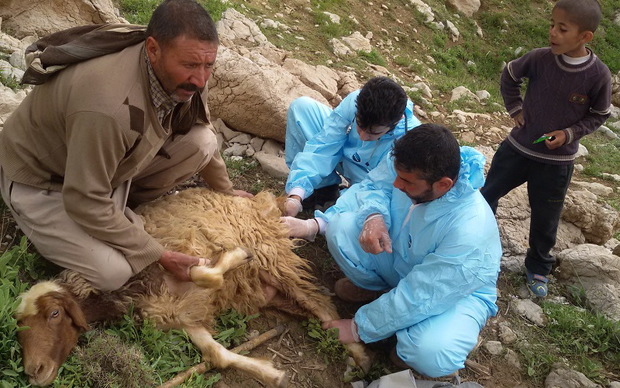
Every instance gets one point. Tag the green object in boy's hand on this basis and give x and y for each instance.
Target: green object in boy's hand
(543, 138)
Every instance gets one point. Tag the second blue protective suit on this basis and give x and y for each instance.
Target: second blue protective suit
(441, 275)
(320, 141)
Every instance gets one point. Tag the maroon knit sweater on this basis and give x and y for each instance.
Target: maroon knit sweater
(575, 98)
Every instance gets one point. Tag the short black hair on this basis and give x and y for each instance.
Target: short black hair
(429, 149)
(586, 14)
(380, 102)
(174, 18)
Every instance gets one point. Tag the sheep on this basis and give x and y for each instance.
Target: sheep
(256, 269)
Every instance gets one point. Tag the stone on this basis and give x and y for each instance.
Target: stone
(597, 270)
(567, 378)
(494, 347)
(272, 165)
(42, 17)
(529, 310)
(466, 7)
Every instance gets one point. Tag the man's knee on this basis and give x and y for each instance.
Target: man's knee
(202, 137)
(432, 357)
(300, 103)
(343, 226)
(109, 277)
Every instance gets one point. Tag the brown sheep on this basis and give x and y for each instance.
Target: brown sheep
(267, 274)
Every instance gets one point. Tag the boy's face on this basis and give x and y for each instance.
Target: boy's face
(565, 37)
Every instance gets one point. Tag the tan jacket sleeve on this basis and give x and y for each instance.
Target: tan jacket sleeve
(216, 176)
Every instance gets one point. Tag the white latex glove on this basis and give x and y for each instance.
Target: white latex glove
(306, 229)
(375, 237)
(292, 206)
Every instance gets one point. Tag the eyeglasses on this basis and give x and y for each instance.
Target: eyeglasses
(375, 129)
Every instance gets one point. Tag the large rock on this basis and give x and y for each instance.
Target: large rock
(466, 7)
(252, 97)
(253, 82)
(597, 271)
(42, 17)
(597, 221)
(513, 217)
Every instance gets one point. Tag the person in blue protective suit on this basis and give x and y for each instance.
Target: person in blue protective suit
(321, 144)
(423, 249)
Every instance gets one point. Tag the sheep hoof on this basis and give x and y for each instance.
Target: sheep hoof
(237, 257)
(363, 357)
(281, 381)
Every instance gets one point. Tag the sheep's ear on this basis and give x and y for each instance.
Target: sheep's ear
(76, 314)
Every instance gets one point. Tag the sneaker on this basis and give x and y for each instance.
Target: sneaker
(537, 284)
(349, 292)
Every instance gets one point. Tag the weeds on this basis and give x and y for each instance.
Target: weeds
(10, 82)
(140, 11)
(11, 370)
(603, 155)
(584, 341)
(232, 327)
(327, 342)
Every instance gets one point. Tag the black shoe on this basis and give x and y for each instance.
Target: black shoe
(321, 196)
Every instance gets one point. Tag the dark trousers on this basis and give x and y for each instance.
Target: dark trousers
(546, 190)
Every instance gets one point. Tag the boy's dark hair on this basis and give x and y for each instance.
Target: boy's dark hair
(429, 149)
(586, 14)
(174, 18)
(381, 102)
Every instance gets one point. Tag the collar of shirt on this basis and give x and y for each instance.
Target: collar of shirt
(161, 100)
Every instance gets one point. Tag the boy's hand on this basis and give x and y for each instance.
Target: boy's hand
(558, 141)
(519, 120)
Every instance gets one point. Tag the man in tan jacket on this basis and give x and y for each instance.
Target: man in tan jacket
(110, 130)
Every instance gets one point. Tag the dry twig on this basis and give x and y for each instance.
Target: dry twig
(281, 355)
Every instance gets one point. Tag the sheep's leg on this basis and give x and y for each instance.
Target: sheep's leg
(213, 277)
(323, 311)
(220, 357)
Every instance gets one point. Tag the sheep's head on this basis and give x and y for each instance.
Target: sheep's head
(51, 322)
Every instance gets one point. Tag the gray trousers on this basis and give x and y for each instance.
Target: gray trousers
(41, 216)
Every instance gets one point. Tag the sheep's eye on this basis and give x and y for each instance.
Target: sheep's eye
(55, 314)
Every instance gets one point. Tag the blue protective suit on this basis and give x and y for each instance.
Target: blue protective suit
(320, 141)
(441, 275)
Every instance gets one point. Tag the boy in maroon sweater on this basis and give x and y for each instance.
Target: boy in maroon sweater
(568, 96)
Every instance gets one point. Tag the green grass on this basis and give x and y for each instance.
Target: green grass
(11, 369)
(586, 342)
(590, 341)
(10, 82)
(140, 11)
(603, 155)
(232, 328)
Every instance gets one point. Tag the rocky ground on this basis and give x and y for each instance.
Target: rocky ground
(497, 361)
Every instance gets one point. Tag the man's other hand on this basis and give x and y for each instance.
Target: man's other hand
(374, 237)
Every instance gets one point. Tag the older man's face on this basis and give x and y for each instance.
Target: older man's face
(183, 66)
